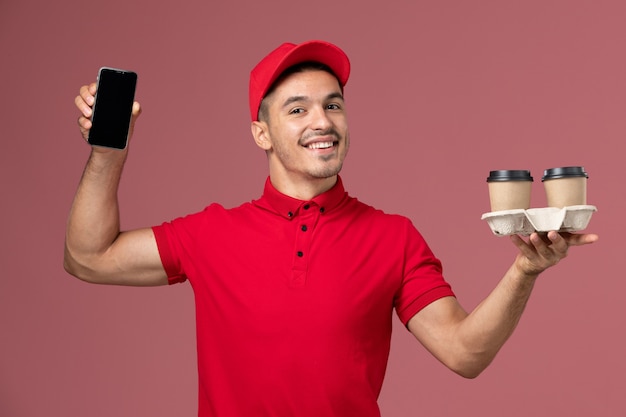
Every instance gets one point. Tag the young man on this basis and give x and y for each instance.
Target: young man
(295, 291)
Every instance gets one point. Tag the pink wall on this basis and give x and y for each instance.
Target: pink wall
(441, 93)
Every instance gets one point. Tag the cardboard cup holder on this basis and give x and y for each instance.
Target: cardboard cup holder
(525, 222)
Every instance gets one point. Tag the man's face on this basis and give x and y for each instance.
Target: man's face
(307, 131)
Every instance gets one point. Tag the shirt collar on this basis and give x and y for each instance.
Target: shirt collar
(290, 207)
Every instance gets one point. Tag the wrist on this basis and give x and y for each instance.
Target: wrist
(103, 154)
(523, 271)
(106, 161)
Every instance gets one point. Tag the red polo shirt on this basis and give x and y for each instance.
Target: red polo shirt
(294, 300)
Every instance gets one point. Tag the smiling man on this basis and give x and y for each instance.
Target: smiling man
(301, 113)
(295, 291)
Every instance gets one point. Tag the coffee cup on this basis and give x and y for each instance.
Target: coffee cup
(565, 186)
(509, 189)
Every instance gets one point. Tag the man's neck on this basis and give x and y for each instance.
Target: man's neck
(303, 189)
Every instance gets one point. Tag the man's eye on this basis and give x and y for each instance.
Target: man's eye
(333, 107)
(297, 110)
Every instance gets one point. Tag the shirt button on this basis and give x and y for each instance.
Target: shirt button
(300, 254)
(290, 214)
(321, 209)
(306, 206)
(303, 228)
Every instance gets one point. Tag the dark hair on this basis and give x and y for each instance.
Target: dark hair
(301, 67)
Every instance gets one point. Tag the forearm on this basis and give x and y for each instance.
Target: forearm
(467, 343)
(94, 222)
(485, 330)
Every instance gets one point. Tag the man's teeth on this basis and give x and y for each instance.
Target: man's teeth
(320, 145)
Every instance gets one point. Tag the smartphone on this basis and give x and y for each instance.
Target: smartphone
(112, 109)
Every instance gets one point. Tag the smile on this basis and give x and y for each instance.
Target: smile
(321, 145)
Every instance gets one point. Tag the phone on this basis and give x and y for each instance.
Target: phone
(112, 109)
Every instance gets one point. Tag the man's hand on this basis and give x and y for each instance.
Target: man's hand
(542, 251)
(84, 102)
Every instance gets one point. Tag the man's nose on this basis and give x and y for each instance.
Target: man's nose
(320, 119)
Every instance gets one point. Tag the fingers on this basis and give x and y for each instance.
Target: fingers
(580, 239)
(84, 124)
(544, 250)
(85, 99)
(541, 250)
(552, 240)
(521, 244)
(551, 247)
(84, 102)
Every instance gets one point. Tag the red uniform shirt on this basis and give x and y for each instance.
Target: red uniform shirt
(294, 300)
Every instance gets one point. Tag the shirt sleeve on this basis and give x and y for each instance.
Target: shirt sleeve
(423, 280)
(168, 251)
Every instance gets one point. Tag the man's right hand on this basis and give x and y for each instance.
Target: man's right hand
(84, 102)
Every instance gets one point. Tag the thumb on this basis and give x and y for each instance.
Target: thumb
(136, 109)
(135, 114)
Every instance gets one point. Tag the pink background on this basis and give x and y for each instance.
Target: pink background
(441, 93)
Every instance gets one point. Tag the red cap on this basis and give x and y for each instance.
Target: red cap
(287, 55)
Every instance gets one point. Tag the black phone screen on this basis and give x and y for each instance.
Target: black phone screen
(112, 109)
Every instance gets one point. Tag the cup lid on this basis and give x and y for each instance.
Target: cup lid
(509, 175)
(564, 172)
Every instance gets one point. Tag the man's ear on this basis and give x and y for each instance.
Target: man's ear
(260, 133)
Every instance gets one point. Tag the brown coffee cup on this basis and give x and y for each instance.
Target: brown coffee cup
(565, 186)
(509, 189)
